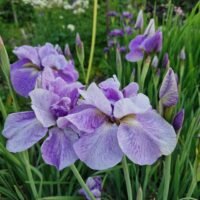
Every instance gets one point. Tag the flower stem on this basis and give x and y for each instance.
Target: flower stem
(167, 169)
(94, 28)
(81, 182)
(29, 174)
(127, 178)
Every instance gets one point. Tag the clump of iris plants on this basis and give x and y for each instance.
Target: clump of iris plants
(100, 124)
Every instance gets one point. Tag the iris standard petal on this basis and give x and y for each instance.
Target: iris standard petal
(111, 90)
(146, 137)
(57, 149)
(27, 52)
(54, 61)
(41, 103)
(95, 96)
(169, 90)
(136, 42)
(135, 105)
(47, 49)
(87, 120)
(22, 130)
(23, 78)
(110, 83)
(130, 90)
(99, 150)
(153, 43)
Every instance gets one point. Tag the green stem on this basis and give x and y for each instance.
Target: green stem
(81, 182)
(127, 178)
(29, 174)
(167, 169)
(94, 27)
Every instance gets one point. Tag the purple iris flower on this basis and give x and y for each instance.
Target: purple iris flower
(95, 186)
(32, 61)
(127, 15)
(128, 30)
(118, 122)
(52, 98)
(149, 42)
(112, 14)
(144, 44)
(116, 33)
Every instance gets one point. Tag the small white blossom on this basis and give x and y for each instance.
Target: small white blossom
(71, 27)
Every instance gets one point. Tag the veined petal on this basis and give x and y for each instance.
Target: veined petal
(23, 78)
(87, 120)
(111, 89)
(47, 49)
(57, 149)
(27, 52)
(153, 43)
(99, 150)
(135, 105)
(22, 130)
(110, 83)
(130, 90)
(146, 137)
(41, 103)
(95, 96)
(169, 90)
(54, 61)
(136, 42)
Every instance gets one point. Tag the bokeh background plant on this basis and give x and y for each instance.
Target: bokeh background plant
(23, 23)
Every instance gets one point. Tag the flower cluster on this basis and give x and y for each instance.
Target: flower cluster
(126, 28)
(98, 124)
(77, 6)
(33, 60)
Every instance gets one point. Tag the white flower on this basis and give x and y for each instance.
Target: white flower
(71, 27)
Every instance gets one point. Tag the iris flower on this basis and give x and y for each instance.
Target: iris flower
(147, 43)
(32, 61)
(51, 99)
(115, 122)
(95, 186)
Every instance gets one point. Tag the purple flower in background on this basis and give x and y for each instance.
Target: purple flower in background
(168, 93)
(149, 42)
(127, 15)
(52, 98)
(128, 30)
(116, 33)
(111, 43)
(95, 186)
(106, 50)
(117, 122)
(112, 14)
(139, 21)
(32, 61)
(122, 49)
(178, 120)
